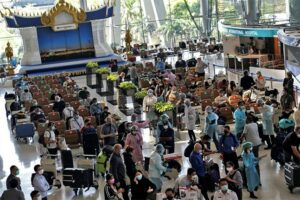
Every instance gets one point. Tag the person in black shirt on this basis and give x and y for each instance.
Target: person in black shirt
(180, 63)
(52, 98)
(167, 137)
(59, 105)
(291, 146)
(129, 163)
(141, 187)
(247, 81)
(103, 115)
(288, 83)
(84, 94)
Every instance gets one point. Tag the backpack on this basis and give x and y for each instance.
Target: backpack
(42, 140)
(101, 162)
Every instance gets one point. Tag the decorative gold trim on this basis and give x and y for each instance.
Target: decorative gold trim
(48, 17)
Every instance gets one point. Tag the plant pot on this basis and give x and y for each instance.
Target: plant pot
(111, 87)
(129, 92)
(103, 76)
(91, 77)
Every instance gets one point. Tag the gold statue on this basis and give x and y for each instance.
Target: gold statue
(9, 53)
(128, 40)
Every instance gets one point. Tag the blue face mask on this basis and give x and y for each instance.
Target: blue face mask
(139, 177)
(224, 188)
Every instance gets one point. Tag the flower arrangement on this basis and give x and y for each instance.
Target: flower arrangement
(103, 70)
(140, 94)
(112, 77)
(92, 65)
(162, 107)
(127, 85)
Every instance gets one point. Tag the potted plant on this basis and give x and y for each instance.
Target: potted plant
(111, 80)
(103, 72)
(91, 68)
(128, 88)
(164, 107)
(139, 96)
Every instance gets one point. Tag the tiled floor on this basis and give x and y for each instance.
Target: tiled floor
(25, 157)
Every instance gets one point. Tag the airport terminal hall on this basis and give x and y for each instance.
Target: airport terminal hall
(149, 99)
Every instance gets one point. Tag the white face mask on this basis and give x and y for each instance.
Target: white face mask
(194, 178)
(39, 197)
(139, 177)
(53, 128)
(40, 172)
(166, 127)
(230, 169)
(298, 135)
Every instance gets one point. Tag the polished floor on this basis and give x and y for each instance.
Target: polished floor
(25, 156)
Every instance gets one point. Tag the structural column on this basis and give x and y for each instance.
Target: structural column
(114, 23)
(99, 37)
(31, 46)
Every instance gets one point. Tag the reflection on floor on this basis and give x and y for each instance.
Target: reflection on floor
(25, 156)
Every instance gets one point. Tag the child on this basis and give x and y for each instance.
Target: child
(250, 162)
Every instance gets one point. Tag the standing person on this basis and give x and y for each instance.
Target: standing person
(76, 122)
(200, 67)
(197, 163)
(135, 122)
(39, 182)
(167, 138)
(109, 132)
(260, 81)
(117, 169)
(35, 195)
(96, 110)
(234, 179)
(250, 134)
(291, 146)
(142, 188)
(247, 81)
(180, 63)
(240, 118)
(286, 100)
(288, 84)
(156, 167)
(26, 96)
(50, 139)
(135, 140)
(68, 114)
(148, 107)
(104, 114)
(84, 94)
(190, 119)
(14, 172)
(134, 74)
(161, 54)
(211, 125)
(228, 145)
(129, 163)
(13, 193)
(267, 116)
(250, 162)
(160, 65)
(224, 193)
(110, 190)
(163, 119)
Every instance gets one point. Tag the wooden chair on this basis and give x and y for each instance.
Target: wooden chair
(47, 109)
(53, 116)
(83, 112)
(205, 103)
(92, 119)
(75, 104)
(72, 138)
(69, 98)
(60, 126)
(37, 95)
(43, 101)
(33, 89)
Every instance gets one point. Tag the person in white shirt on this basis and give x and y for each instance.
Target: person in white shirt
(26, 96)
(76, 122)
(39, 182)
(68, 111)
(224, 193)
(221, 100)
(50, 139)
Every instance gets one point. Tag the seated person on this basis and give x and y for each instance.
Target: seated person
(221, 100)
(34, 106)
(84, 94)
(59, 105)
(222, 85)
(52, 98)
(169, 194)
(26, 96)
(38, 116)
(68, 82)
(234, 99)
(224, 193)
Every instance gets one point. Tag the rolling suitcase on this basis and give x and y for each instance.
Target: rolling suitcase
(79, 178)
(67, 159)
(292, 174)
(90, 144)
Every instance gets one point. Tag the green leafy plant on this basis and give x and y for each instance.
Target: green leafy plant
(161, 107)
(103, 70)
(92, 65)
(140, 94)
(112, 77)
(127, 85)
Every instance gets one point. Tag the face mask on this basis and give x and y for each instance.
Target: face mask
(76, 116)
(139, 177)
(298, 135)
(229, 169)
(38, 113)
(39, 197)
(166, 127)
(17, 172)
(194, 178)
(243, 107)
(53, 128)
(133, 133)
(224, 188)
(200, 151)
(41, 172)
(111, 181)
(150, 94)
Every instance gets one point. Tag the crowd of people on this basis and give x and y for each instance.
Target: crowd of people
(259, 121)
